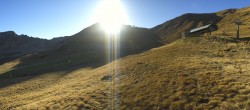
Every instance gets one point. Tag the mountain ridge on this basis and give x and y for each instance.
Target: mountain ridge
(13, 46)
(210, 72)
(168, 31)
(171, 30)
(87, 48)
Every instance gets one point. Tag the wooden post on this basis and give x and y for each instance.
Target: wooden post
(238, 31)
(238, 23)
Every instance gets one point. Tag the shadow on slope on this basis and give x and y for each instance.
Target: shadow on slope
(88, 48)
(13, 46)
(243, 39)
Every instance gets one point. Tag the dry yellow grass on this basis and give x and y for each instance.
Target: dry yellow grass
(172, 30)
(191, 73)
(227, 27)
(7, 66)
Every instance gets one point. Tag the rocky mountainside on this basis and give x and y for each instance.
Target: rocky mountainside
(11, 42)
(90, 47)
(13, 45)
(131, 40)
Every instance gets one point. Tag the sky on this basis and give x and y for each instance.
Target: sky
(55, 18)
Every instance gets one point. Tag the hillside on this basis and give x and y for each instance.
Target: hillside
(226, 25)
(88, 48)
(171, 30)
(81, 72)
(93, 38)
(191, 73)
(13, 46)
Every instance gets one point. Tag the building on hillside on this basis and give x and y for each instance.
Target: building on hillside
(196, 32)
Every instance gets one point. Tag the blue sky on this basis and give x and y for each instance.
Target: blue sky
(55, 18)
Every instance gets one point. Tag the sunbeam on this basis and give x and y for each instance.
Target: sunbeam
(111, 15)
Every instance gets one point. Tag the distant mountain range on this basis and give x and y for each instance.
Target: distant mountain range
(87, 47)
(13, 45)
(133, 39)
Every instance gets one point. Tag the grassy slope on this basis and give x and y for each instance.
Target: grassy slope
(86, 48)
(171, 30)
(189, 73)
(226, 25)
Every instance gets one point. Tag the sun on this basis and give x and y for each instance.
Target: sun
(111, 15)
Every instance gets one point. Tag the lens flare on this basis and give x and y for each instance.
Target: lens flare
(111, 15)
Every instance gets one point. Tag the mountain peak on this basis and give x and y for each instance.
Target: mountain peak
(8, 33)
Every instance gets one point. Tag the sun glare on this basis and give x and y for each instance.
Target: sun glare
(111, 15)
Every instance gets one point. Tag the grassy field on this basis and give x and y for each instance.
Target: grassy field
(190, 73)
